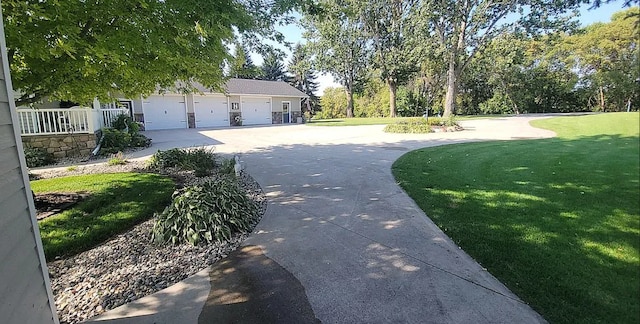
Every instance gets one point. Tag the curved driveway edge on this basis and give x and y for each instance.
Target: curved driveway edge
(358, 245)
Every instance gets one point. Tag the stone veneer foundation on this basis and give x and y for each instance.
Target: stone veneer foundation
(61, 146)
(276, 117)
(295, 115)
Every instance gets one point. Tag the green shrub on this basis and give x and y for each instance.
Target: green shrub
(228, 166)
(212, 211)
(167, 159)
(200, 160)
(114, 141)
(413, 125)
(441, 121)
(123, 122)
(139, 140)
(120, 122)
(37, 157)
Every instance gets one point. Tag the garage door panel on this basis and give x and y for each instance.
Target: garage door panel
(256, 111)
(211, 111)
(164, 112)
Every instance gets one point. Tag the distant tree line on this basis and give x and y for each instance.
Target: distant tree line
(406, 57)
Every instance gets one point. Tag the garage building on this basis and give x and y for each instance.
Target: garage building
(245, 102)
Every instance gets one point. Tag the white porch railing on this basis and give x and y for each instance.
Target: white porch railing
(65, 120)
(107, 116)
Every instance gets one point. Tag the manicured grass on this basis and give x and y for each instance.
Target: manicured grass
(382, 120)
(355, 121)
(557, 220)
(117, 201)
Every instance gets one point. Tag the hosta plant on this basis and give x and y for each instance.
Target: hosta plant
(204, 213)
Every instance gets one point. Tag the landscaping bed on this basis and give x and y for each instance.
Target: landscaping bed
(129, 266)
(49, 204)
(419, 125)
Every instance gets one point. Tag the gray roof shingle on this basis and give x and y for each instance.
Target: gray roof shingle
(261, 87)
(247, 87)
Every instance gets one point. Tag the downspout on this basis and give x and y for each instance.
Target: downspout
(97, 149)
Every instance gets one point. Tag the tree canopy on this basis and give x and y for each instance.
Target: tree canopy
(339, 46)
(79, 50)
(520, 67)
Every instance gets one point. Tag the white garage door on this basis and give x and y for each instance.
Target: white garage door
(211, 111)
(164, 112)
(256, 111)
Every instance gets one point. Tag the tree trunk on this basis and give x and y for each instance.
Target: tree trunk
(451, 88)
(392, 97)
(601, 100)
(454, 69)
(349, 102)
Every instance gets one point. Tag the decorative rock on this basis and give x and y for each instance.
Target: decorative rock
(129, 266)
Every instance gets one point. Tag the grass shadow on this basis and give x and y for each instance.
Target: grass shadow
(556, 220)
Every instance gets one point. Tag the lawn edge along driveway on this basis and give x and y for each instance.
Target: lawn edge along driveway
(556, 220)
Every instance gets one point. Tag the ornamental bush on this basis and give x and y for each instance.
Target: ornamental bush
(412, 125)
(200, 160)
(36, 157)
(124, 134)
(205, 213)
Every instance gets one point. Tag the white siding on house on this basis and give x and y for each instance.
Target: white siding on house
(25, 293)
(295, 104)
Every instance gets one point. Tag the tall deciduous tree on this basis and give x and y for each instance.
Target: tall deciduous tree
(303, 77)
(78, 50)
(608, 58)
(333, 103)
(339, 46)
(390, 26)
(463, 28)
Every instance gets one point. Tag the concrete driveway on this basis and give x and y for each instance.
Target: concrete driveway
(340, 241)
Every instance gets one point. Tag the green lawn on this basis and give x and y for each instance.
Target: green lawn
(117, 201)
(355, 121)
(556, 220)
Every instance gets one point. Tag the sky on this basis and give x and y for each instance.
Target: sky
(293, 34)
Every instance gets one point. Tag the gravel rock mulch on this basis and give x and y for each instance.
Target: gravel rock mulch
(129, 266)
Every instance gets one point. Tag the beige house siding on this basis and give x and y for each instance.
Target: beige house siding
(25, 293)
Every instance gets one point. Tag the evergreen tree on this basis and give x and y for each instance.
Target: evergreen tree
(272, 68)
(241, 65)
